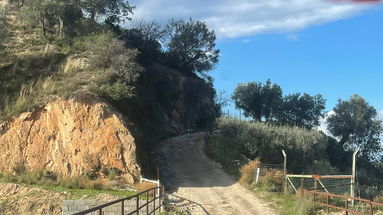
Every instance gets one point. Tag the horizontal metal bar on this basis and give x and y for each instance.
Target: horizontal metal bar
(116, 202)
(155, 209)
(345, 197)
(319, 176)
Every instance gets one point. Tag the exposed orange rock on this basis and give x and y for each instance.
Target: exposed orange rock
(69, 137)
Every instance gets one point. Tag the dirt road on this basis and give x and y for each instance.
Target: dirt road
(200, 184)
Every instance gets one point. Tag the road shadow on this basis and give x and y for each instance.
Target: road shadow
(183, 163)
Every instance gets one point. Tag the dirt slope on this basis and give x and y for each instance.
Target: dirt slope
(200, 185)
(69, 137)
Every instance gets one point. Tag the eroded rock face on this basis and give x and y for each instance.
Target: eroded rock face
(70, 137)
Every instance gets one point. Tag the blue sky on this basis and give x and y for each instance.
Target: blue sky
(336, 59)
(312, 46)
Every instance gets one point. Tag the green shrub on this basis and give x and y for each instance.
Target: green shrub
(255, 139)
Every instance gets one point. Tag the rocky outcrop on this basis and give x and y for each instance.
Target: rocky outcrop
(70, 137)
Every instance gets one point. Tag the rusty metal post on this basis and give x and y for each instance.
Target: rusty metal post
(100, 211)
(147, 203)
(138, 204)
(328, 203)
(122, 208)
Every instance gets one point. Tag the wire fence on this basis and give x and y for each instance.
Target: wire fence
(335, 184)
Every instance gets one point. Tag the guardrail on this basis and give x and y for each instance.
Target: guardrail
(156, 192)
(344, 203)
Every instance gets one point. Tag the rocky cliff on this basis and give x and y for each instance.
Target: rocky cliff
(70, 137)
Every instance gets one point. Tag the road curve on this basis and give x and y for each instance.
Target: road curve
(200, 185)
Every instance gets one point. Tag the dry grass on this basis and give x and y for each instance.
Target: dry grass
(142, 186)
(272, 180)
(248, 172)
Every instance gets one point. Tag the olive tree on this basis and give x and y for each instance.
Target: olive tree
(258, 100)
(301, 110)
(355, 123)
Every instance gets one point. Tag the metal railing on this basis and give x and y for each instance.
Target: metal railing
(155, 192)
(347, 204)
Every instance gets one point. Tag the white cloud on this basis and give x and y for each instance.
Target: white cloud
(293, 37)
(235, 18)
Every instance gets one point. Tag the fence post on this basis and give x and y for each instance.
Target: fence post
(352, 188)
(154, 201)
(257, 175)
(147, 203)
(122, 208)
(138, 204)
(371, 209)
(285, 169)
(328, 203)
(100, 211)
(162, 197)
(346, 204)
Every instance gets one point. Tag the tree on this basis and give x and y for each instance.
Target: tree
(355, 123)
(115, 11)
(258, 100)
(146, 37)
(302, 110)
(191, 46)
(51, 13)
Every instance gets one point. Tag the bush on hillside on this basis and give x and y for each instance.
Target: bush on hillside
(255, 139)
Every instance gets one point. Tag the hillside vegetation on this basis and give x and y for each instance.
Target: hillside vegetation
(309, 152)
(52, 49)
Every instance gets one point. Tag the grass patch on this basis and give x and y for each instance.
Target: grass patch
(286, 204)
(75, 187)
(77, 193)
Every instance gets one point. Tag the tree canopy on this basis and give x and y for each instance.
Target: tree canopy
(257, 100)
(302, 110)
(115, 11)
(264, 102)
(191, 46)
(355, 123)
